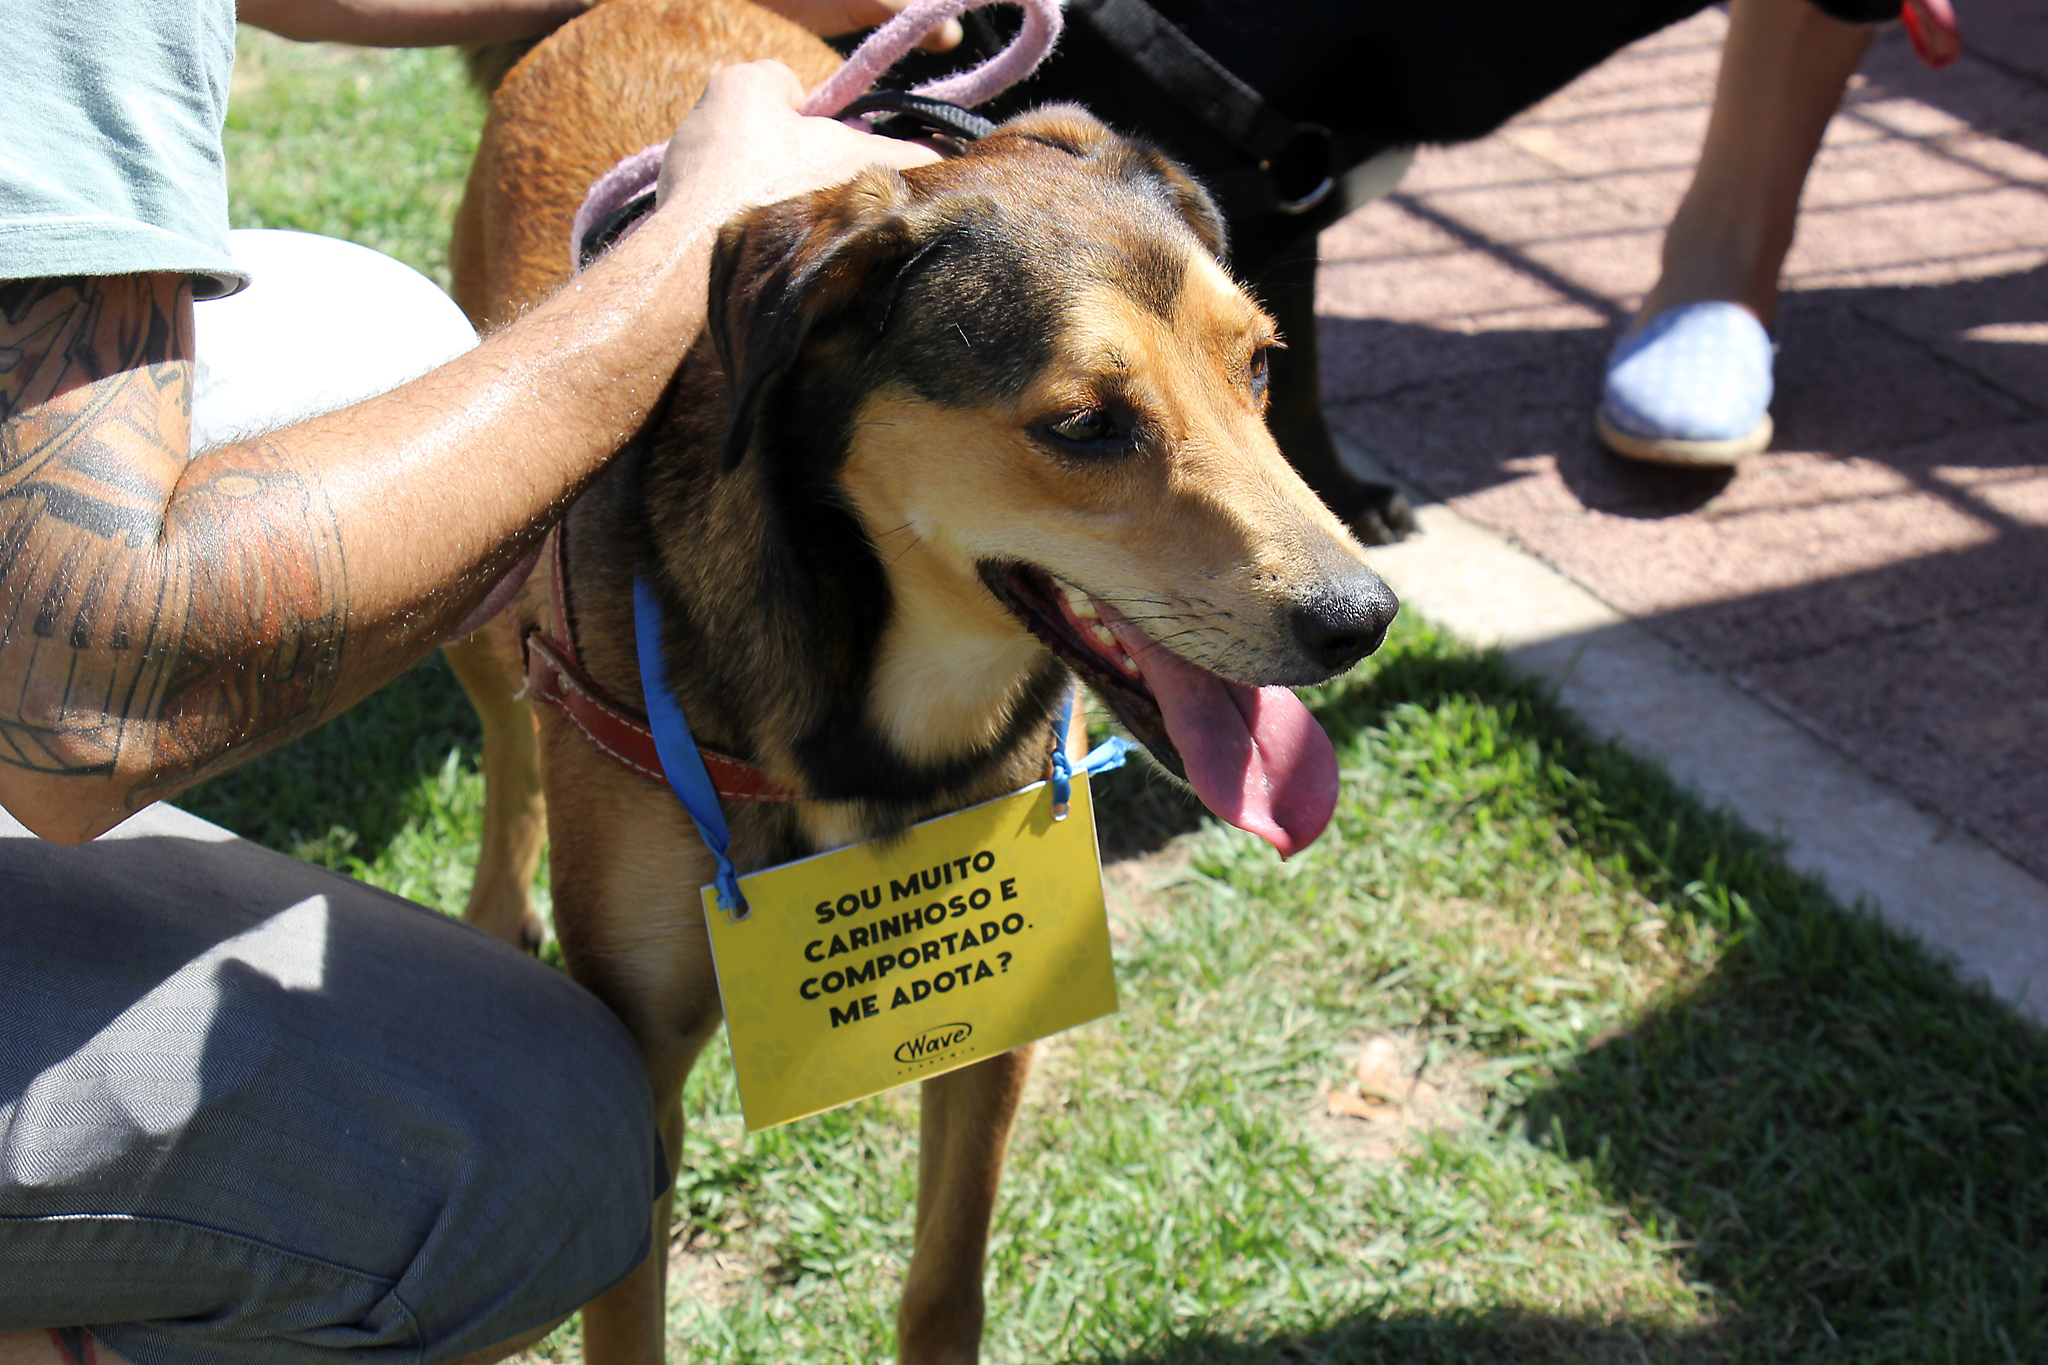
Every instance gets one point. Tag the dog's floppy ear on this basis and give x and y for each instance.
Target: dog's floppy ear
(778, 272)
(1072, 129)
(1188, 197)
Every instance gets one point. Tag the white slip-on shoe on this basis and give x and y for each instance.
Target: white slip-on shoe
(1692, 386)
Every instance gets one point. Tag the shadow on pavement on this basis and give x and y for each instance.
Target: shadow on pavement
(1929, 673)
(1459, 412)
(1881, 591)
(1998, 86)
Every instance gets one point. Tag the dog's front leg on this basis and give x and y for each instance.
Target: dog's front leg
(626, 867)
(966, 1131)
(628, 1323)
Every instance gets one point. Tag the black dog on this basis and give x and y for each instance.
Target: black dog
(1281, 109)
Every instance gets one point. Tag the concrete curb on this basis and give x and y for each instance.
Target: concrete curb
(1864, 840)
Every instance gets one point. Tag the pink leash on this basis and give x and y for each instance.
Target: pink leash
(887, 44)
(881, 50)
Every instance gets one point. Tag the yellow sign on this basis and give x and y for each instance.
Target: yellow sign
(872, 966)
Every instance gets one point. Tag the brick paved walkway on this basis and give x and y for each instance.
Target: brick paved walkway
(1881, 573)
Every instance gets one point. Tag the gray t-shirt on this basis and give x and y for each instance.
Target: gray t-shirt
(110, 139)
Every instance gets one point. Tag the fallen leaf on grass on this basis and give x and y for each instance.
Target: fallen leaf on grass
(1382, 1091)
(1379, 1070)
(1381, 1110)
(1346, 1103)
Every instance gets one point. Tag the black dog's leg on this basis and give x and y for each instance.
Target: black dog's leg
(1377, 513)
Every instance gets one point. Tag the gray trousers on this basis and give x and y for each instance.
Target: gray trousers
(251, 1110)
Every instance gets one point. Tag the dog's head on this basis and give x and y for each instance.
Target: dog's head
(1029, 378)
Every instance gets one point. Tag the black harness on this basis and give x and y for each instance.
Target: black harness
(1299, 159)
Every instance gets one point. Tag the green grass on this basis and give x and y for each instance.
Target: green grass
(368, 145)
(389, 792)
(1707, 1114)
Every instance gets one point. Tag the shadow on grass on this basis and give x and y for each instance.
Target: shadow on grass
(1139, 810)
(1845, 1144)
(1500, 1338)
(346, 791)
(1849, 1146)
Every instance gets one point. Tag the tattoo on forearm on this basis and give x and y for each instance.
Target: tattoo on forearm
(156, 612)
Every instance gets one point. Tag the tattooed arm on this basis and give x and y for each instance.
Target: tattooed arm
(135, 586)
(162, 617)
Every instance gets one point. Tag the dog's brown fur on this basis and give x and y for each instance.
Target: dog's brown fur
(832, 511)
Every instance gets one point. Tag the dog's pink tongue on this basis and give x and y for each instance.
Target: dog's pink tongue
(1254, 755)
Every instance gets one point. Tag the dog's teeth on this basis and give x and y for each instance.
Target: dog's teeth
(1130, 665)
(1102, 634)
(1079, 602)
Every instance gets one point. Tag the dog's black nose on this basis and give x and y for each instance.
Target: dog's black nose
(1347, 622)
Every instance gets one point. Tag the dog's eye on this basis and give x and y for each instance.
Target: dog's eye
(1090, 427)
(1259, 374)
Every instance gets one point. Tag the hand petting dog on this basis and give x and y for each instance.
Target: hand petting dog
(745, 145)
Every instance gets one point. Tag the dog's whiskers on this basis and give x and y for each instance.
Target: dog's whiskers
(1169, 618)
(882, 536)
(1169, 601)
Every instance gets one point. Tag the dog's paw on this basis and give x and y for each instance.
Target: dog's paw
(1377, 513)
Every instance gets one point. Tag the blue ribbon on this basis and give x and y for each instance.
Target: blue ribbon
(691, 780)
(687, 775)
(1102, 758)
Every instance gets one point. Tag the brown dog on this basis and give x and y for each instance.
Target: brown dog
(953, 433)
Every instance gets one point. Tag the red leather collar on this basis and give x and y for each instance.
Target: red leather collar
(555, 675)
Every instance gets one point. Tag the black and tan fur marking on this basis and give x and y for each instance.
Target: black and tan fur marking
(1025, 364)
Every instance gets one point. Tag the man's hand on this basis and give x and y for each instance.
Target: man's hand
(745, 145)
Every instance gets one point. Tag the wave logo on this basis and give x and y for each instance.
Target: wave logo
(934, 1040)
